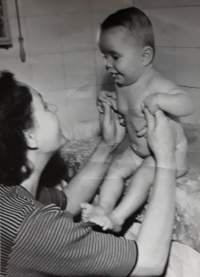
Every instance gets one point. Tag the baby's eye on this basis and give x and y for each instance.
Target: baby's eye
(115, 57)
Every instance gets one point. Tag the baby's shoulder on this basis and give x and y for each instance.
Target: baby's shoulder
(161, 84)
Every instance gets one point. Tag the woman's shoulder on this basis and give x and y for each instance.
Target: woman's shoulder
(16, 203)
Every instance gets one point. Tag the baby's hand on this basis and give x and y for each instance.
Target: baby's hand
(151, 103)
(109, 97)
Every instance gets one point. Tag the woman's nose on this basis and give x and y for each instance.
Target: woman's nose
(53, 108)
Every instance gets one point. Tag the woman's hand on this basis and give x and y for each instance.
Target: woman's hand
(141, 130)
(159, 135)
(111, 129)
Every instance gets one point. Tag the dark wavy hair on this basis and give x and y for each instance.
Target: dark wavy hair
(136, 21)
(15, 118)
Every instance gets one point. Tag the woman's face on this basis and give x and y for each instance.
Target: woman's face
(47, 132)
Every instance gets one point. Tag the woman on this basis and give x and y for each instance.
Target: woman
(38, 233)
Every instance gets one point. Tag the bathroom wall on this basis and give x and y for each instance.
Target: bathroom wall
(64, 64)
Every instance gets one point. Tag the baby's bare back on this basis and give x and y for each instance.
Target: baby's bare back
(129, 104)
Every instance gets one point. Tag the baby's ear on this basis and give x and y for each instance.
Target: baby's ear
(147, 55)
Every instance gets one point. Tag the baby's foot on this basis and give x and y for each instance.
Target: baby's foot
(89, 211)
(107, 222)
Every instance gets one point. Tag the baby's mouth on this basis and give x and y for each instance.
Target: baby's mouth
(114, 75)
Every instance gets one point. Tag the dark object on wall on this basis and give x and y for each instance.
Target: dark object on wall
(21, 39)
(5, 35)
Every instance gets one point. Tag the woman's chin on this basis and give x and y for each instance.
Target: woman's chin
(62, 140)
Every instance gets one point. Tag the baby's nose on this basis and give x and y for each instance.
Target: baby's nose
(108, 64)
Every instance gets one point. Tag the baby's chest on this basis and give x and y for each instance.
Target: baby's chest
(130, 103)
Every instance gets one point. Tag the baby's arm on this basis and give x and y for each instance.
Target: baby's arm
(170, 98)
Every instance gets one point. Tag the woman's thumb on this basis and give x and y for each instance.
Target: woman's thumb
(107, 111)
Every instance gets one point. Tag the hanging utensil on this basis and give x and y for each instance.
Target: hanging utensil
(20, 38)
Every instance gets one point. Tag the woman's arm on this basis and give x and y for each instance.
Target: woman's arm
(84, 185)
(156, 231)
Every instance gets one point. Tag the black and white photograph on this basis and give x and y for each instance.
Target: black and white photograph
(99, 138)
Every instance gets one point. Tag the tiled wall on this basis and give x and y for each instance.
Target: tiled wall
(63, 61)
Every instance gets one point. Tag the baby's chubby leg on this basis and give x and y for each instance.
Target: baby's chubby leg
(121, 168)
(137, 191)
(135, 196)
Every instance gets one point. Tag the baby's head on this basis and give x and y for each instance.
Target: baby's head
(127, 41)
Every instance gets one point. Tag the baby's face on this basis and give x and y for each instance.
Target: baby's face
(122, 54)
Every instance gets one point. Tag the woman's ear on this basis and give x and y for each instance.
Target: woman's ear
(147, 55)
(30, 139)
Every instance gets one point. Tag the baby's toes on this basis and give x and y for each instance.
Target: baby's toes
(86, 208)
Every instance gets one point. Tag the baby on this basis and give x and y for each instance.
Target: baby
(126, 40)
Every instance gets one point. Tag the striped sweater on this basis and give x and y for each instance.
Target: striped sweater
(39, 239)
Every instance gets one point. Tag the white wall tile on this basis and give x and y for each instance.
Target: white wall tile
(48, 72)
(187, 26)
(12, 8)
(195, 117)
(44, 35)
(79, 69)
(165, 62)
(14, 50)
(108, 87)
(153, 3)
(77, 32)
(74, 6)
(163, 25)
(82, 113)
(188, 69)
(109, 5)
(97, 19)
(21, 70)
(103, 77)
(40, 7)
(81, 105)
(186, 2)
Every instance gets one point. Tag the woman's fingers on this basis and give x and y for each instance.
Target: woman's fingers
(150, 120)
(160, 117)
(100, 107)
(107, 111)
(142, 132)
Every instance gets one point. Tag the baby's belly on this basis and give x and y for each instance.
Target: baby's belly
(138, 144)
